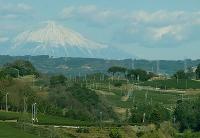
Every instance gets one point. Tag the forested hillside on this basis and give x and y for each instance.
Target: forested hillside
(82, 66)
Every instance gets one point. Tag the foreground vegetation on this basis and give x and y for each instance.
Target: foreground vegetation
(8, 131)
(122, 103)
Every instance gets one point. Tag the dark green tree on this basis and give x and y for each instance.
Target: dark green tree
(140, 74)
(180, 75)
(20, 67)
(55, 80)
(187, 114)
(198, 72)
(117, 69)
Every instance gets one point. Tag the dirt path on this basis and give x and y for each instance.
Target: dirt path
(104, 92)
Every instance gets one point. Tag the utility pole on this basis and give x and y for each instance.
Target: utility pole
(109, 86)
(186, 84)
(158, 67)
(85, 77)
(185, 65)
(174, 120)
(146, 96)
(32, 118)
(152, 69)
(134, 100)
(101, 118)
(133, 64)
(182, 97)
(33, 81)
(138, 78)
(6, 102)
(34, 113)
(143, 120)
(177, 79)
(25, 106)
(17, 73)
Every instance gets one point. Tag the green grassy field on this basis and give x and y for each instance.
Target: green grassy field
(115, 96)
(139, 97)
(172, 83)
(9, 115)
(8, 131)
(43, 119)
(55, 120)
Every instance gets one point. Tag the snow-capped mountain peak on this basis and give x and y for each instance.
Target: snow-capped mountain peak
(58, 41)
(55, 35)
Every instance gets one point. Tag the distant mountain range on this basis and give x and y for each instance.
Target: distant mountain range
(74, 66)
(55, 40)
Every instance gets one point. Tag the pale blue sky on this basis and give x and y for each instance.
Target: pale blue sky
(150, 29)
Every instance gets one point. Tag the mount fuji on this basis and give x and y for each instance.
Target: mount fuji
(57, 41)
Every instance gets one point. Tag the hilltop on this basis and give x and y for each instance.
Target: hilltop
(81, 66)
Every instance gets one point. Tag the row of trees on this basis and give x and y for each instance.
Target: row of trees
(189, 74)
(149, 113)
(131, 74)
(139, 74)
(186, 114)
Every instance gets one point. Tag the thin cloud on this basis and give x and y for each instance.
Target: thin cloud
(90, 13)
(14, 11)
(3, 39)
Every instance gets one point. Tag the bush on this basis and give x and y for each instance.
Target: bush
(153, 114)
(139, 134)
(114, 133)
(55, 80)
(82, 130)
(117, 84)
(22, 67)
(187, 114)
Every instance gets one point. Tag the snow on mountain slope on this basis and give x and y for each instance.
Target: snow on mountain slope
(55, 38)
(58, 35)
(58, 41)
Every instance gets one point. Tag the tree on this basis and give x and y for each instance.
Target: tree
(187, 114)
(117, 69)
(55, 80)
(11, 72)
(140, 74)
(2, 75)
(20, 67)
(1, 98)
(180, 75)
(198, 72)
(154, 113)
(190, 73)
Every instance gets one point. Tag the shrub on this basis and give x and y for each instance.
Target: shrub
(114, 133)
(140, 134)
(82, 130)
(118, 84)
